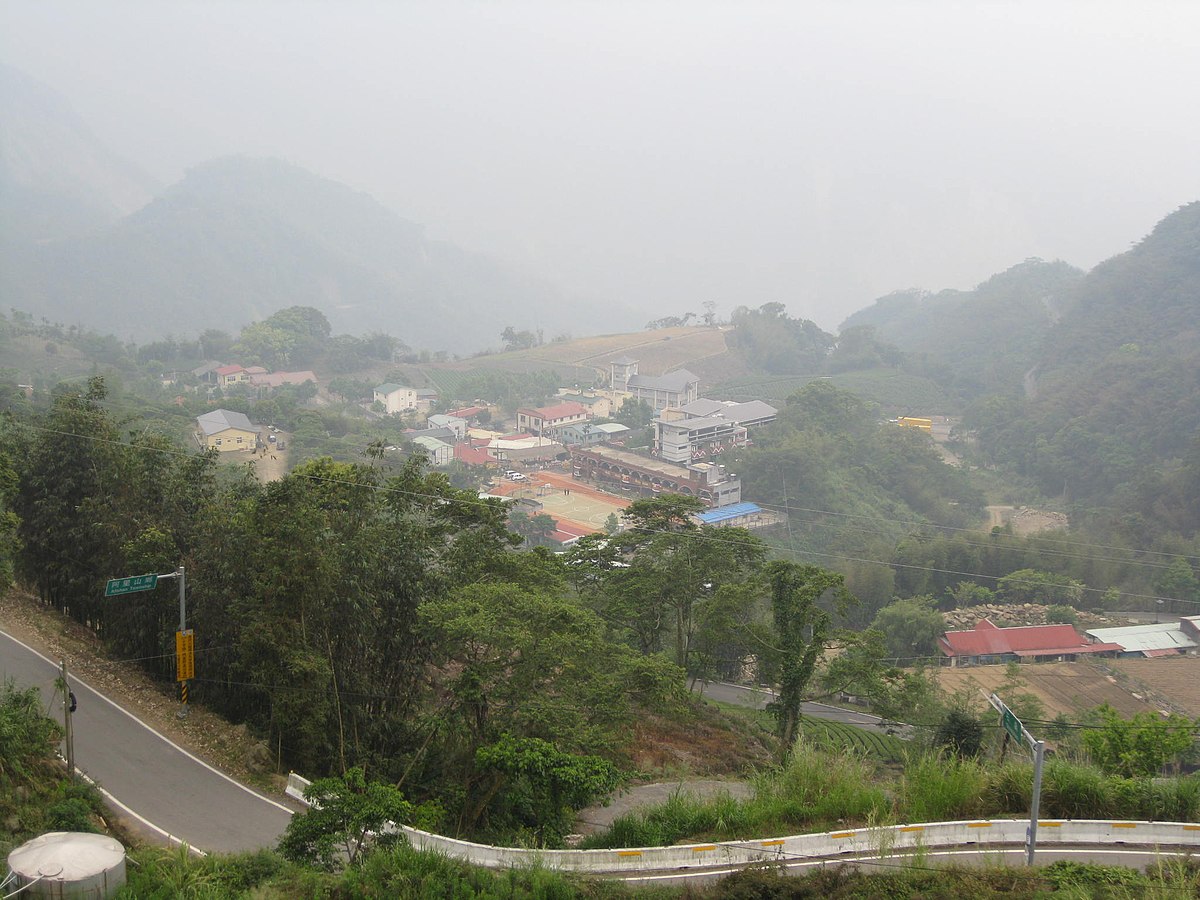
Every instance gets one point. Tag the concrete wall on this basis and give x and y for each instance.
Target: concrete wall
(816, 846)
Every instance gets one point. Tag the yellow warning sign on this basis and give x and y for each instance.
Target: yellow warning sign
(185, 655)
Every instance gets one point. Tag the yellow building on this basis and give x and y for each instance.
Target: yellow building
(225, 430)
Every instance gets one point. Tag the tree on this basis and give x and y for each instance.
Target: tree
(612, 524)
(960, 733)
(1179, 582)
(801, 628)
(911, 627)
(344, 812)
(1032, 586)
(1140, 746)
(672, 569)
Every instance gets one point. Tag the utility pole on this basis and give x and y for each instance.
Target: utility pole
(68, 711)
(1012, 726)
(183, 644)
(185, 660)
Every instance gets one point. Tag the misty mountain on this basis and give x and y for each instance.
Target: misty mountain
(238, 239)
(976, 341)
(1114, 405)
(56, 178)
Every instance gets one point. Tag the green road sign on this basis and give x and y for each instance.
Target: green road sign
(131, 585)
(1013, 725)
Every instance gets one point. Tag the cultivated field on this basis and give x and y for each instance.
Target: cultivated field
(1067, 688)
(1175, 679)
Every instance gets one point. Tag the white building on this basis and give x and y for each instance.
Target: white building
(704, 429)
(395, 397)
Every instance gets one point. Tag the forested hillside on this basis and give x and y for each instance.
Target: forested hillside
(980, 341)
(1113, 417)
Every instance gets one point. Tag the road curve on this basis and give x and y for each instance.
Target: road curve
(164, 792)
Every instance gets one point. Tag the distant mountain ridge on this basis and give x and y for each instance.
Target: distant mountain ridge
(56, 178)
(236, 240)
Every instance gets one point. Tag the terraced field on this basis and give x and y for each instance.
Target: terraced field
(1175, 679)
(840, 736)
(1067, 688)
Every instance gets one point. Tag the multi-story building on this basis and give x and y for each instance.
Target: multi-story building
(704, 428)
(627, 472)
(658, 391)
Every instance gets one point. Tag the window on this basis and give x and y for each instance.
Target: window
(218, 442)
(239, 440)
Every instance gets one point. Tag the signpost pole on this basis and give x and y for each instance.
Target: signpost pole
(183, 684)
(185, 661)
(1016, 729)
(1039, 752)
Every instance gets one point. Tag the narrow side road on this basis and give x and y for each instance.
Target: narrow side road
(163, 792)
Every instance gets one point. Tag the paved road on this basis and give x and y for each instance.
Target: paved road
(758, 698)
(161, 789)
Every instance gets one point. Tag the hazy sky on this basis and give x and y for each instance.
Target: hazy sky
(817, 154)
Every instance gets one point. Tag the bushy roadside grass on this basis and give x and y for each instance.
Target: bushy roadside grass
(818, 791)
(400, 872)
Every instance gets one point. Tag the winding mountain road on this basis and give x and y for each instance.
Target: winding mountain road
(161, 790)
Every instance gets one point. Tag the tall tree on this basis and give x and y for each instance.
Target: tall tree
(801, 629)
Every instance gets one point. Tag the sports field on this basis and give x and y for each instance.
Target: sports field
(565, 498)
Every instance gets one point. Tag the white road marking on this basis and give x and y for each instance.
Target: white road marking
(76, 680)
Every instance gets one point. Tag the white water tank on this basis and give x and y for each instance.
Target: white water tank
(68, 864)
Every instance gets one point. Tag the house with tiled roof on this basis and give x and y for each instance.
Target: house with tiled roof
(989, 644)
(544, 420)
(227, 376)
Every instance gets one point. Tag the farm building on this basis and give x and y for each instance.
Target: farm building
(989, 644)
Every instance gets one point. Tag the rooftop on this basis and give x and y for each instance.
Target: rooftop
(988, 639)
(676, 381)
(389, 387)
(557, 411)
(1140, 638)
(725, 513)
(222, 420)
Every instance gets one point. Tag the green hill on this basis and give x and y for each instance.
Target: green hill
(979, 341)
(1113, 411)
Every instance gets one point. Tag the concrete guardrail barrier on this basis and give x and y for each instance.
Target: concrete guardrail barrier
(831, 844)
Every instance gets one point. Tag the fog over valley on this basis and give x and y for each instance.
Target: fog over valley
(585, 167)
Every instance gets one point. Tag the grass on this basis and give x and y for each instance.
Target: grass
(820, 789)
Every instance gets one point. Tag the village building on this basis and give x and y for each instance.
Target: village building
(439, 452)
(523, 447)
(657, 391)
(544, 420)
(622, 471)
(1160, 639)
(226, 430)
(706, 428)
(231, 375)
(989, 644)
(739, 515)
(396, 398)
(587, 434)
(454, 423)
(599, 405)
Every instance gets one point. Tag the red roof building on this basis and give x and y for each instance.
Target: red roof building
(473, 456)
(543, 419)
(989, 644)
